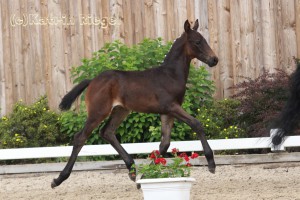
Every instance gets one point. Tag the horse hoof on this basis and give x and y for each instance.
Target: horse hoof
(276, 140)
(132, 176)
(53, 184)
(212, 170)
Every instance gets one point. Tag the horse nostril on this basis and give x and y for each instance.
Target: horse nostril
(212, 61)
(215, 60)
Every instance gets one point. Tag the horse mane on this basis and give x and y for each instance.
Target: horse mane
(175, 46)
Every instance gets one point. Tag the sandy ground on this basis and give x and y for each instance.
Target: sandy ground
(265, 181)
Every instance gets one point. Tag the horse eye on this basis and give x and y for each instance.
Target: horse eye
(198, 42)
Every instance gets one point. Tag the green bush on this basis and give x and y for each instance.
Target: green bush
(71, 122)
(118, 56)
(220, 119)
(139, 127)
(31, 126)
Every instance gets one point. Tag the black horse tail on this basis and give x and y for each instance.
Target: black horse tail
(71, 96)
(290, 115)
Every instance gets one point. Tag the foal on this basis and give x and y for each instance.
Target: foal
(157, 90)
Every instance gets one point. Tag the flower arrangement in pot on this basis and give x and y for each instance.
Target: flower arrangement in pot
(179, 167)
(163, 180)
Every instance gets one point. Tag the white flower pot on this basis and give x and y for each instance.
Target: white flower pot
(166, 188)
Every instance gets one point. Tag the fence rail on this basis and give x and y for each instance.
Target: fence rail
(142, 148)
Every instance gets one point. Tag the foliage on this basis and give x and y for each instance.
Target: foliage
(200, 89)
(71, 122)
(139, 127)
(30, 126)
(296, 60)
(220, 119)
(261, 100)
(158, 168)
(118, 56)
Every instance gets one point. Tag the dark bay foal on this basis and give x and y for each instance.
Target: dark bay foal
(157, 90)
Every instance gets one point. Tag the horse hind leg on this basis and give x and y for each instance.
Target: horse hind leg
(108, 133)
(79, 140)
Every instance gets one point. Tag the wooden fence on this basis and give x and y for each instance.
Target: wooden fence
(41, 40)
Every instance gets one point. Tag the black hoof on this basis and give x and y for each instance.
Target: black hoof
(277, 140)
(132, 172)
(212, 170)
(132, 176)
(53, 184)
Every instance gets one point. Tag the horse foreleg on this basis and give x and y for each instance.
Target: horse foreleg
(196, 126)
(166, 127)
(79, 140)
(108, 133)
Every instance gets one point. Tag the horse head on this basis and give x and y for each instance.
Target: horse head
(197, 46)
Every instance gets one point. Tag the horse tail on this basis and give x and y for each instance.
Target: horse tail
(290, 115)
(71, 96)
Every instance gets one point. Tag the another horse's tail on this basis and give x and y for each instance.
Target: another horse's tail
(290, 115)
(71, 96)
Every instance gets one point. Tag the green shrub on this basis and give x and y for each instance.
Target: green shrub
(71, 122)
(139, 127)
(220, 119)
(31, 126)
(118, 56)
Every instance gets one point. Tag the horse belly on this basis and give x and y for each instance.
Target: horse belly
(145, 102)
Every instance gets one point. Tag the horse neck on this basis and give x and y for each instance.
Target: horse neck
(177, 59)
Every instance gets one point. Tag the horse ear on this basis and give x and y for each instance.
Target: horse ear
(196, 25)
(187, 26)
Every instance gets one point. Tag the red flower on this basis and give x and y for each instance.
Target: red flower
(185, 157)
(160, 161)
(175, 151)
(154, 154)
(188, 164)
(182, 155)
(194, 155)
(156, 161)
(163, 161)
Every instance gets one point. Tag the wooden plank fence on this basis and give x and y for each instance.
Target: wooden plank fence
(40, 40)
